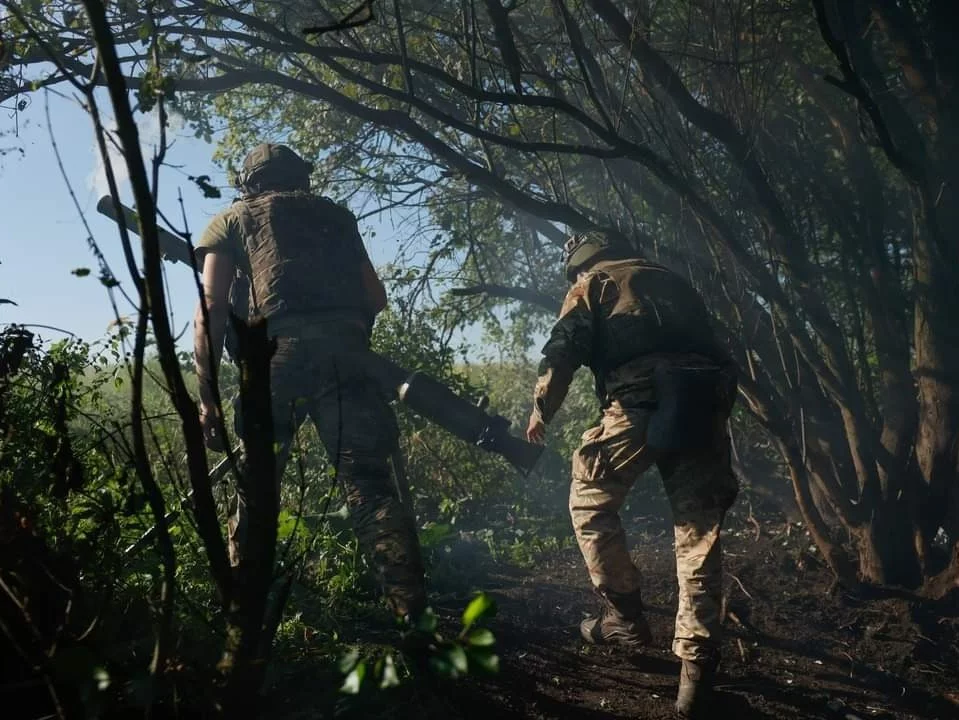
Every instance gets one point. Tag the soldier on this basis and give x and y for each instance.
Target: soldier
(311, 278)
(666, 387)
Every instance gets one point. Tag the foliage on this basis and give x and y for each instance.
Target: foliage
(79, 391)
(729, 159)
(101, 530)
(814, 213)
(470, 651)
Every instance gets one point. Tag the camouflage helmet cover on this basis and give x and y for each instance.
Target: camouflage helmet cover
(272, 161)
(582, 248)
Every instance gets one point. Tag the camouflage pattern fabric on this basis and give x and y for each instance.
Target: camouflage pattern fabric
(700, 486)
(312, 378)
(305, 254)
(620, 319)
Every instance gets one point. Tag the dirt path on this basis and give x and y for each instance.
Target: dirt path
(791, 650)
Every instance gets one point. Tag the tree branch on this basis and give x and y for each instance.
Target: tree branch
(208, 522)
(536, 298)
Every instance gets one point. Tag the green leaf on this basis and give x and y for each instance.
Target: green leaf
(108, 281)
(354, 681)
(479, 607)
(427, 622)
(348, 661)
(441, 666)
(457, 658)
(144, 31)
(389, 678)
(102, 678)
(434, 534)
(481, 637)
(484, 659)
(286, 524)
(81, 271)
(203, 182)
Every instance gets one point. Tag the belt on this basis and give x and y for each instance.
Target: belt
(316, 326)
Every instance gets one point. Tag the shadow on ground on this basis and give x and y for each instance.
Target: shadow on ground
(791, 650)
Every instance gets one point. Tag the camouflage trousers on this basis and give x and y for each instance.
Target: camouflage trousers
(700, 486)
(358, 429)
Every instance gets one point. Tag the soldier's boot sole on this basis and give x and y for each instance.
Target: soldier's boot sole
(603, 630)
(695, 689)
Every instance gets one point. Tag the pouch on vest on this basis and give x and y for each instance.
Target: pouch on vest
(239, 306)
(685, 414)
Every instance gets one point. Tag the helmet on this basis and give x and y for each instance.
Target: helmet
(582, 249)
(271, 166)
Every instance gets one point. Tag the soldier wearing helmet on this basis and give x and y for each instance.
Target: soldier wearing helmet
(297, 259)
(666, 387)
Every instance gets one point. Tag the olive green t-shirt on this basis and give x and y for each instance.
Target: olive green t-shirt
(223, 234)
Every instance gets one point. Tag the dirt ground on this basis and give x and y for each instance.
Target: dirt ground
(793, 649)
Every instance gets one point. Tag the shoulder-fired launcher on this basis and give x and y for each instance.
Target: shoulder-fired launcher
(423, 394)
(172, 248)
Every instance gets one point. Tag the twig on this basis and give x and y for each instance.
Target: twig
(41, 661)
(106, 273)
(47, 48)
(401, 32)
(527, 295)
(742, 649)
(852, 662)
(180, 396)
(355, 18)
(752, 519)
(739, 582)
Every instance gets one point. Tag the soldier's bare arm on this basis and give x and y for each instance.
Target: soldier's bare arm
(218, 272)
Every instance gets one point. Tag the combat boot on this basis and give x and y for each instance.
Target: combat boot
(695, 687)
(620, 621)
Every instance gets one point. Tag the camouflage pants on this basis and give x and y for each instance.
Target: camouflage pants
(358, 429)
(700, 486)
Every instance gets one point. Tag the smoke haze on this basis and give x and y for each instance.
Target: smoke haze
(149, 132)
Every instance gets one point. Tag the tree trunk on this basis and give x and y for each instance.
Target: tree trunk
(886, 548)
(837, 561)
(947, 581)
(243, 664)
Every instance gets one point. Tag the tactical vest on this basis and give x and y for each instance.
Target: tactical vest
(648, 311)
(305, 255)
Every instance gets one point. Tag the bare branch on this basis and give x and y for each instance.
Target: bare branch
(527, 295)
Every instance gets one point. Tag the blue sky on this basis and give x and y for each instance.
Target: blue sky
(42, 237)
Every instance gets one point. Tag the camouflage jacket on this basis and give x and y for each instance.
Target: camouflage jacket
(620, 319)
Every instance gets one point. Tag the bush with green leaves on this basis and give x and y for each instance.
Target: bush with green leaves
(66, 457)
(425, 649)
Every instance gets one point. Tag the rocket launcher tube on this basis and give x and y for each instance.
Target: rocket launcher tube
(432, 400)
(172, 248)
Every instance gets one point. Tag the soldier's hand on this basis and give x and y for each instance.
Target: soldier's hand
(536, 430)
(209, 420)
